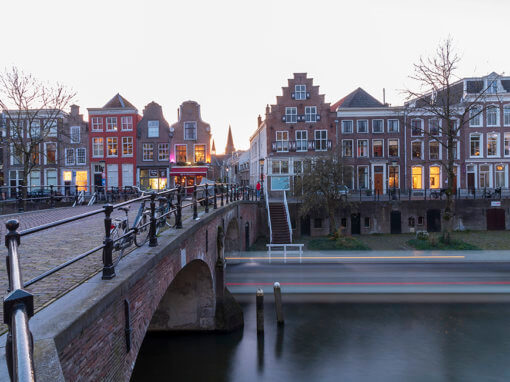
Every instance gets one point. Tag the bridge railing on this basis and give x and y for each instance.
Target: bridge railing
(18, 304)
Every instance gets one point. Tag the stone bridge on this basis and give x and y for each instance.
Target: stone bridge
(95, 331)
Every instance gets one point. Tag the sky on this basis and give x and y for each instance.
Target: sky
(233, 57)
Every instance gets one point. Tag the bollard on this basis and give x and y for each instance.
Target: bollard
(195, 210)
(260, 311)
(153, 240)
(108, 269)
(178, 215)
(278, 303)
(206, 199)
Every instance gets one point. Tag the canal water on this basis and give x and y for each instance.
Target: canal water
(341, 342)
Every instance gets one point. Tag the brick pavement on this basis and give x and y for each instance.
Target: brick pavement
(47, 249)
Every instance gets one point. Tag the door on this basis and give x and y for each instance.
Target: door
(305, 225)
(433, 220)
(355, 224)
(395, 222)
(378, 179)
(496, 219)
(471, 180)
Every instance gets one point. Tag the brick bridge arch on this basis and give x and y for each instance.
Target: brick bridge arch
(95, 331)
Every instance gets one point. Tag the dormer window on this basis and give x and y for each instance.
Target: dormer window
(300, 92)
(153, 129)
(492, 86)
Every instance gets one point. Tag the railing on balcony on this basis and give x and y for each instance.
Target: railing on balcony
(288, 214)
(303, 145)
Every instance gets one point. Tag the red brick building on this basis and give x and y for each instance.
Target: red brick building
(112, 143)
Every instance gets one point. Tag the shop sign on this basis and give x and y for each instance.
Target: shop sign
(153, 173)
(496, 203)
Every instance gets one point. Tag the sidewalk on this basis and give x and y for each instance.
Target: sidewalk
(371, 256)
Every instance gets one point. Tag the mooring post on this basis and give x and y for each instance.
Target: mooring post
(108, 268)
(195, 212)
(278, 303)
(260, 311)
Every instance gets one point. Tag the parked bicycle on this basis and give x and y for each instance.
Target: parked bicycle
(438, 194)
(124, 235)
(163, 212)
(488, 194)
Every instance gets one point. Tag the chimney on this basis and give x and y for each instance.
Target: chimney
(75, 110)
(384, 96)
(259, 121)
(178, 117)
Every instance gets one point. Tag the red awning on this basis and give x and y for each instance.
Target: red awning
(183, 171)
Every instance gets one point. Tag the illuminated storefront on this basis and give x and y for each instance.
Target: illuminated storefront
(188, 175)
(73, 178)
(154, 179)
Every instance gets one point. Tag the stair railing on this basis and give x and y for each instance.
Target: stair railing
(288, 215)
(268, 216)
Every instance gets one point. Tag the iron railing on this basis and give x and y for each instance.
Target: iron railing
(19, 304)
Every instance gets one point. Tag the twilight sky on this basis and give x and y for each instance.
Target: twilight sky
(233, 56)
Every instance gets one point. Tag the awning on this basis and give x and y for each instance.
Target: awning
(184, 171)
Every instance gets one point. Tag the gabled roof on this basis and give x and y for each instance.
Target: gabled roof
(119, 102)
(358, 98)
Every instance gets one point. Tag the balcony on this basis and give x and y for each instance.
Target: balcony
(301, 146)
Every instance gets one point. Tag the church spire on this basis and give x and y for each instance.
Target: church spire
(213, 148)
(229, 149)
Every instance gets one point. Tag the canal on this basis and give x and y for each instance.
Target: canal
(341, 342)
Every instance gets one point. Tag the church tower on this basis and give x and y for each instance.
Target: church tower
(229, 149)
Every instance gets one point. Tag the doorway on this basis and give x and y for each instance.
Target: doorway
(496, 219)
(395, 222)
(378, 179)
(433, 220)
(355, 224)
(471, 181)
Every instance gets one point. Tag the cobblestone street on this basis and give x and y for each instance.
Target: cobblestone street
(42, 251)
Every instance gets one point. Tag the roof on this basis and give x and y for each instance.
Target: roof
(119, 102)
(358, 98)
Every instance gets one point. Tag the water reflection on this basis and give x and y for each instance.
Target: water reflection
(347, 342)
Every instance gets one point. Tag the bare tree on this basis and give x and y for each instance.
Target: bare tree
(33, 113)
(442, 97)
(322, 185)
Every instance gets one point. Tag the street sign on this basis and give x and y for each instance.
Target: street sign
(496, 203)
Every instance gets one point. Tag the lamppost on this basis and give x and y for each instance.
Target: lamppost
(170, 137)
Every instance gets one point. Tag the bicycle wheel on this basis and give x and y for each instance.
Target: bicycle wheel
(118, 247)
(142, 233)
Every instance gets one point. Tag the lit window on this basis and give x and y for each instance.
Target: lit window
(416, 173)
(51, 153)
(417, 150)
(180, 153)
(393, 176)
(199, 153)
(97, 147)
(111, 146)
(127, 146)
(163, 153)
(435, 180)
(500, 175)
(377, 148)
(362, 148)
(148, 151)
(475, 145)
(393, 148)
(347, 148)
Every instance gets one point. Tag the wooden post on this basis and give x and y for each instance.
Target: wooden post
(260, 311)
(278, 303)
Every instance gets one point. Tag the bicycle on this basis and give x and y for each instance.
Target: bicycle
(162, 214)
(124, 236)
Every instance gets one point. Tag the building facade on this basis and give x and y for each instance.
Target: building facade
(112, 144)
(154, 139)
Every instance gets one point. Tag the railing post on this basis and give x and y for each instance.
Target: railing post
(18, 308)
(108, 269)
(153, 240)
(215, 200)
(195, 209)
(206, 199)
(76, 195)
(19, 198)
(226, 187)
(231, 193)
(52, 201)
(178, 215)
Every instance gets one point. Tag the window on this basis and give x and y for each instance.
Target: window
(347, 148)
(492, 145)
(492, 116)
(421, 220)
(291, 114)
(199, 153)
(190, 131)
(378, 126)
(434, 127)
(455, 150)
(363, 177)
(362, 126)
(435, 177)
(475, 116)
(126, 123)
(163, 153)
(148, 151)
(416, 174)
(411, 222)
(416, 128)
(310, 113)
(282, 141)
(321, 140)
(69, 154)
(367, 222)
(81, 156)
(111, 123)
(111, 147)
(506, 115)
(97, 124)
(346, 127)
(51, 177)
(298, 167)
(16, 128)
(127, 146)
(280, 166)
(97, 148)
(393, 148)
(394, 172)
(492, 86)
(112, 175)
(484, 176)
(153, 129)
(434, 151)
(377, 148)
(51, 127)
(36, 155)
(51, 153)
(75, 134)
(181, 153)
(35, 179)
(301, 140)
(362, 148)
(500, 176)
(507, 144)
(300, 92)
(417, 150)
(474, 141)
(127, 174)
(35, 129)
(393, 126)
